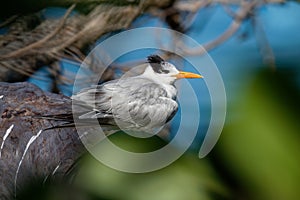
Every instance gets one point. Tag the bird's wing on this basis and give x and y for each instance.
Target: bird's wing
(132, 103)
(142, 103)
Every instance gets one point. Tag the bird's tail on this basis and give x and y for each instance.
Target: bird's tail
(69, 120)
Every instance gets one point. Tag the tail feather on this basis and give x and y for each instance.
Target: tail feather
(69, 122)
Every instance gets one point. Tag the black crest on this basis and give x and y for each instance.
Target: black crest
(155, 59)
(157, 63)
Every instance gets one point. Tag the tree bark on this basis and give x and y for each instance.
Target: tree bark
(28, 152)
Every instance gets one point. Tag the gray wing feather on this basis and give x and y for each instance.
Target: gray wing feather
(134, 103)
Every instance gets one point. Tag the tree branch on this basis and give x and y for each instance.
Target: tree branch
(241, 14)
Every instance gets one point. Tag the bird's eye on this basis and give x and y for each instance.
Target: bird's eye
(165, 67)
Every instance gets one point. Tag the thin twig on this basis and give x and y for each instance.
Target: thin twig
(8, 21)
(228, 10)
(73, 55)
(21, 71)
(77, 52)
(191, 6)
(263, 43)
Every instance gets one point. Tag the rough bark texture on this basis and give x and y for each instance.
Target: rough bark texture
(27, 152)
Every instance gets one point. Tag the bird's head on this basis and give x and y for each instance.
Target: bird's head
(165, 72)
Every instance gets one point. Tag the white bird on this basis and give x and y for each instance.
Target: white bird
(142, 103)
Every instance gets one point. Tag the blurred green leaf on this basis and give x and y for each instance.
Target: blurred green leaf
(187, 178)
(261, 150)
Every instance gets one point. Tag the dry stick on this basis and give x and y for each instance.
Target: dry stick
(8, 21)
(228, 10)
(22, 71)
(264, 45)
(72, 56)
(233, 27)
(191, 6)
(16, 69)
(70, 59)
(54, 71)
(24, 50)
(77, 52)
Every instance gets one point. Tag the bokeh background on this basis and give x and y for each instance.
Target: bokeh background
(257, 155)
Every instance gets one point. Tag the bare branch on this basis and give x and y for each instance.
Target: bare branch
(8, 21)
(191, 6)
(241, 14)
(263, 43)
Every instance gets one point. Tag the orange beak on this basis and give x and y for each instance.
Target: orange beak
(182, 74)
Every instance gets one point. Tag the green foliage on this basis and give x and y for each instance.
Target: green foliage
(260, 150)
(187, 178)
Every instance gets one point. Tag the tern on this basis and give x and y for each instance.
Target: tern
(142, 103)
